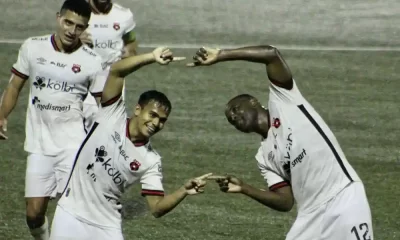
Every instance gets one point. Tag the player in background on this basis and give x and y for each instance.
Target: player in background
(111, 33)
(299, 156)
(116, 154)
(59, 71)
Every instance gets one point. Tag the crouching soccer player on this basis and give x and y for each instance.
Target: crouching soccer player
(116, 154)
(299, 156)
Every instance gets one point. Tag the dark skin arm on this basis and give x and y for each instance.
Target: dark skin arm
(280, 199)
(277, 69)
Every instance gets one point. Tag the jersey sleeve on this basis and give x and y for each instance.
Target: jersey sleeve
(21, 67)
(271, 177)
(98, 80)
(112, 112)
(280, 94)
(152, 181)
(129, 32)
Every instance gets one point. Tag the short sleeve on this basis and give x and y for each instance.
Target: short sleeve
(152, 181)
(271, 177)
(280, 94)
(98, 80)
(131, 23)
(113, 111)
(21, 67)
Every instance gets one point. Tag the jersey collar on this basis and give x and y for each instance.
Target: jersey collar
(57, 49)
(128, 135)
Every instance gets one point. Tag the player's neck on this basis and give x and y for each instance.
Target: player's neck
(59, 46)
(134, 134)
(100, 8)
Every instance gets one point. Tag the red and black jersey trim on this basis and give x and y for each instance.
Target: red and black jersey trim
(111, 101)
(279, 185)
(19, 74)
(53, 42)
(146, 192)
(97, 94)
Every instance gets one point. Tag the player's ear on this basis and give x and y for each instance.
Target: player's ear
(138, 109)
(253, 102)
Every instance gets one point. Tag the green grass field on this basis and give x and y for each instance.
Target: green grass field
(355, 92)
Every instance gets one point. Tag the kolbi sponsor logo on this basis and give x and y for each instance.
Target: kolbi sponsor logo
(41, 83)
(49, 107)
(105, 44)
(115, 174)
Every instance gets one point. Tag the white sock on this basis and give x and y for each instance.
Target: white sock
(41, 233)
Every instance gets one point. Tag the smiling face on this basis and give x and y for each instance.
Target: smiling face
(70, 27)
(151, 118)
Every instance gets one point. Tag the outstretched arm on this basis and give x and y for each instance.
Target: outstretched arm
(126, 66)
(161, 205)
(280, 199)
(277, 69)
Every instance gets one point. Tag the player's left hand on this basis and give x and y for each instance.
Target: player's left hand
(86, 38)
(163, 55)
(228, 183)
(196, 185)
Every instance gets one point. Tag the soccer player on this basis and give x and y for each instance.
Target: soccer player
(59, 71)
(116, 154)
(111, 33)
(299, 156)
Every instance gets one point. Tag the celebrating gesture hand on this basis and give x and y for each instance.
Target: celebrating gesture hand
(163, 56)
(205, 56)
(86, 38)
(196, 185)
(228, 183)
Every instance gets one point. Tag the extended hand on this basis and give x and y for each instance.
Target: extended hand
(196, 185)
(163, 55)
(86, 38)
(205, 56)
(228, 183)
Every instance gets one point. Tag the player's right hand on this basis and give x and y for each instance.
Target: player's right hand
(228, 183)
(163, 55)
(3, 129)
(205, 56)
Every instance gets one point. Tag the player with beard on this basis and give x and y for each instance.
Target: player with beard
(111, 33)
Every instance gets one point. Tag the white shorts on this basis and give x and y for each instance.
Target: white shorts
(67, 227)
(345, 217)
(47, 175)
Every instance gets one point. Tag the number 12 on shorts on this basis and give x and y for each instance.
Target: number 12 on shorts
(362, 228)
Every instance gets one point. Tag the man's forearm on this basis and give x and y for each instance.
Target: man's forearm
(267, 198)
(8, 101)
(125, 66)
(169, 202)
(260, 54)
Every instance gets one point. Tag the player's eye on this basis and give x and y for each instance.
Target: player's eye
(68, 23)
(152, 115)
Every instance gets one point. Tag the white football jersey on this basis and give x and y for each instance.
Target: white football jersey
(58, 84)
(106, 165)
(302, 151)
(108, 29)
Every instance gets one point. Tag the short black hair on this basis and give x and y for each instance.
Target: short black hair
(80, 7)
(156, 96)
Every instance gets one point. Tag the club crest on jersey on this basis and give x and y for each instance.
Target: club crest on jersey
(134, 165)
(276, 122)
(116, 26)
(76, 68)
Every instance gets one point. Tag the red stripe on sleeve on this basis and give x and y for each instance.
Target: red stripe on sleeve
(19, 74)
(279, 185)
(152, 192)
(111, 101)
